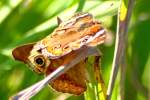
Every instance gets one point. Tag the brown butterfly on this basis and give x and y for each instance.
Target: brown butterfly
(72, 41)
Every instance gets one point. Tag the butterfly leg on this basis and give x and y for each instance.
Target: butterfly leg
(98, 75)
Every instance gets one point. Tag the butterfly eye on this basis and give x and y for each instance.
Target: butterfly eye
(39, 60)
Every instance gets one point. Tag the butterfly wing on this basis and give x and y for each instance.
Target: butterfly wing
(21, 53)
(72, 35)
(73, 81)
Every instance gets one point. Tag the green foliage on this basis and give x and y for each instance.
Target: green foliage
(25, 21)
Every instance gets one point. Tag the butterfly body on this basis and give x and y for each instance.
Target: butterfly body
(62, 46)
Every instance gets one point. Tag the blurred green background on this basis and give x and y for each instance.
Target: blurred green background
(25, 21)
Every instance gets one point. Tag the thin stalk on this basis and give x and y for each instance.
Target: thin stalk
(122, 79)
(121, 42)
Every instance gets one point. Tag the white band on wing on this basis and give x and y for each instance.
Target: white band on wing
(101, 32)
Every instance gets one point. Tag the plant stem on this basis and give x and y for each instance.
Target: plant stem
(122, 78)
(120, 46)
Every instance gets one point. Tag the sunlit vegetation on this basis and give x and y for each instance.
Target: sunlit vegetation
(25, 21)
